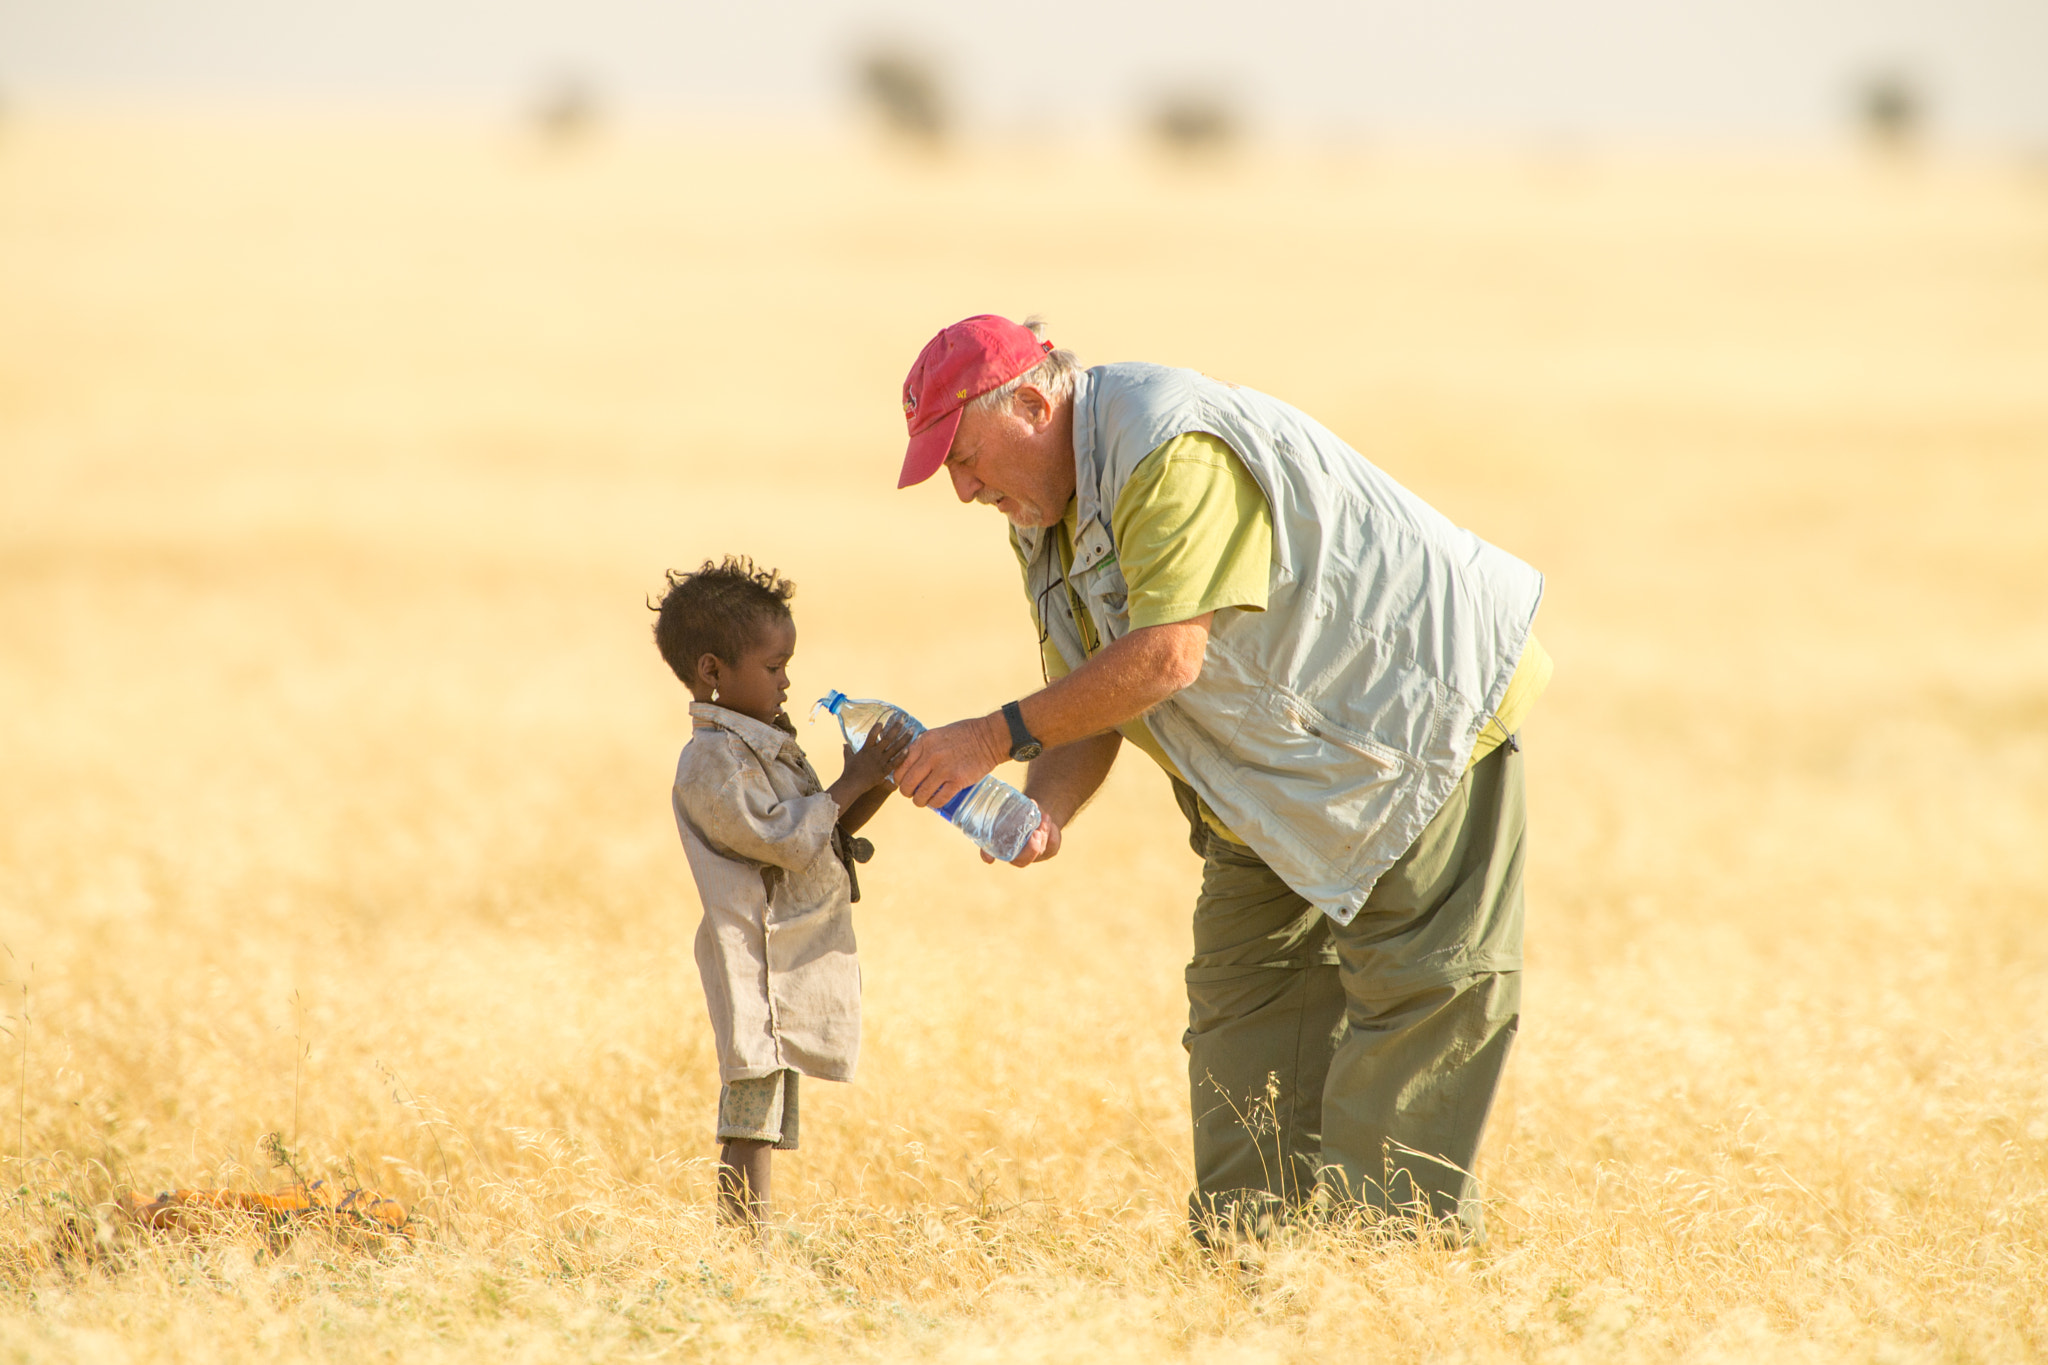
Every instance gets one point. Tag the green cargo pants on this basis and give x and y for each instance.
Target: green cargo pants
(1353, 1066)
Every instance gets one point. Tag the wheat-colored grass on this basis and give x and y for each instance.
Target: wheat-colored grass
(336, 459)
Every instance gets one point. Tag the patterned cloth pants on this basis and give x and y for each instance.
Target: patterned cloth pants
(760, 1110)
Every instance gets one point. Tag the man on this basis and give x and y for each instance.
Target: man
(1332, 675)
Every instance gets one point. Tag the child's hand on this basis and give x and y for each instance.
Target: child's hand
(878, 757)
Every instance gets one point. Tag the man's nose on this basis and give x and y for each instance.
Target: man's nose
(965, 485)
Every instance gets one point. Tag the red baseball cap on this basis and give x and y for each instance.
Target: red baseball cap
(956, 367)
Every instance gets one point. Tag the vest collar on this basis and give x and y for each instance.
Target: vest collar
(1092, 540)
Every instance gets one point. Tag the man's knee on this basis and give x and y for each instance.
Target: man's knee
(1255, 1000)
(1408, 1097)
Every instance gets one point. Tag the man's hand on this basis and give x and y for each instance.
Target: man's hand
(1044, 843)
(944, 762)
(1128, 678)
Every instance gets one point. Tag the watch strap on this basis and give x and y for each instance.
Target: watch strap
(1023, 744)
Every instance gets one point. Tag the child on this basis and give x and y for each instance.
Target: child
(773, 854)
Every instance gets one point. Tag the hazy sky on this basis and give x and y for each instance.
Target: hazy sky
(1542, 68)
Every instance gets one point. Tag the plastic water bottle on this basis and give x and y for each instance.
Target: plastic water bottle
(993, 813)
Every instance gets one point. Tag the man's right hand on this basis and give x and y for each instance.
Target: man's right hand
(945, 761)
(1044, 843)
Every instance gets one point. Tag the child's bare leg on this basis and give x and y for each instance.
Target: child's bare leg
(743, 1180)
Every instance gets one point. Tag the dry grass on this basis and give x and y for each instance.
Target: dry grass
(335, 461)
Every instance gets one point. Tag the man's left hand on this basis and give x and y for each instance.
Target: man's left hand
(944, 762)
(1044, 843)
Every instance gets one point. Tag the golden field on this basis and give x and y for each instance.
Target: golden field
(338, 457)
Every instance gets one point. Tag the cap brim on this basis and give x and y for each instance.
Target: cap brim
(928, 449)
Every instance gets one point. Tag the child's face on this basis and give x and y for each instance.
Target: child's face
(758, 683)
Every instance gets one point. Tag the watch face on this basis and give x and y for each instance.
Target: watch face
(1024, 753)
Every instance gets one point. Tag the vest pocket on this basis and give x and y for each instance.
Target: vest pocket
(1313, 764)
(1109, 604)
(1308, 793)
(1299, 715)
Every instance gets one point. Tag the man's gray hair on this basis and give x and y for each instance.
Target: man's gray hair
(1052, 376)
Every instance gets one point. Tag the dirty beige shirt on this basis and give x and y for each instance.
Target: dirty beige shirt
(776, 945)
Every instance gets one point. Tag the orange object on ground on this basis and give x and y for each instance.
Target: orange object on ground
(199, 1210)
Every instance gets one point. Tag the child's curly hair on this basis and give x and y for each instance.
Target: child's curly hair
(717, 610)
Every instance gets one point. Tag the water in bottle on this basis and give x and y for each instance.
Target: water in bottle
(993, 813)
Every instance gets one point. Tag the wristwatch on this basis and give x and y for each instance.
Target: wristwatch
(1024, 746)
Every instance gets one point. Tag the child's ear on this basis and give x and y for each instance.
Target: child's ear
(707, 670)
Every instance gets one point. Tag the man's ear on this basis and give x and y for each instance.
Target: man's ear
(1033, 406)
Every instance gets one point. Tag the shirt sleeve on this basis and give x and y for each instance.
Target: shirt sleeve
(734, 808)
(1194, 533)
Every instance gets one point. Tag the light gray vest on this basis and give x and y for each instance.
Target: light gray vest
(1328, 729)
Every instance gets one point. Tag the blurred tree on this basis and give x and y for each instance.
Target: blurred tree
(566, 110)
(1194, 121)
(1890, 110)
(905, 93)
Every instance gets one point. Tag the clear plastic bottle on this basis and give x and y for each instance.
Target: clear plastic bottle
(994, 814)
